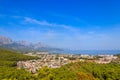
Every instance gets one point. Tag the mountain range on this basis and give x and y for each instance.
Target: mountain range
(25, 46)
(6, 42)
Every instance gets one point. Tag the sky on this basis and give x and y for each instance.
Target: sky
(71, 24)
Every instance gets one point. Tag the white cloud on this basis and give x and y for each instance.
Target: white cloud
(67, 37)
(45, 23)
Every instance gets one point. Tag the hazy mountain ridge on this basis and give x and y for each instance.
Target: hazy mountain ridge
(25, 46)
(7, 42)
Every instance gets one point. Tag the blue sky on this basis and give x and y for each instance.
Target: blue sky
(74, 24)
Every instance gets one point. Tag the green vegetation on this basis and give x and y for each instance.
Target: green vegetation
(9, 58)
(81, 71)
(8, 70)
(72, 71)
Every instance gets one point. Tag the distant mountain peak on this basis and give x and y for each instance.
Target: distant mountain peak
(39, 45)
(22, 45)
(5, 40)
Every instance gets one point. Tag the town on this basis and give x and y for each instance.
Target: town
(58, 60)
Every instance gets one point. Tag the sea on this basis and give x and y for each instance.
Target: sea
(89, 52)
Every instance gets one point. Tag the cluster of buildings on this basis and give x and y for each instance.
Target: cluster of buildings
(58, 60)
(49, 60)
(104, 59)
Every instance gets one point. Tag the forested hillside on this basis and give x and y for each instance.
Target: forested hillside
(8, 70)
(72, 71)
